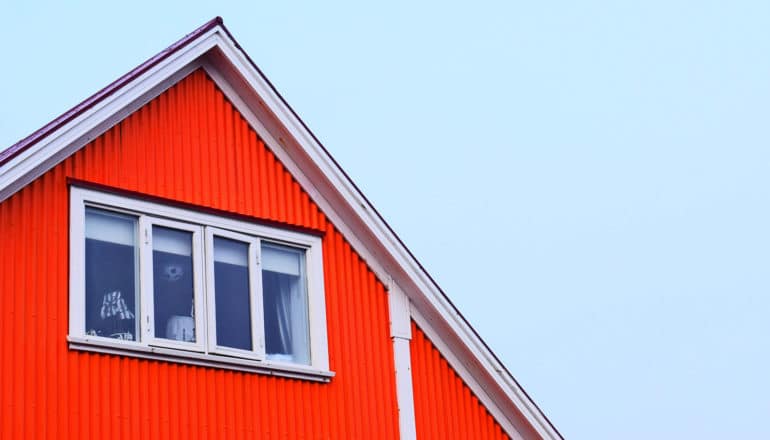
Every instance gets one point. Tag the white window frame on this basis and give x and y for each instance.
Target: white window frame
(204, 227)
(255, 301)
(147, 283)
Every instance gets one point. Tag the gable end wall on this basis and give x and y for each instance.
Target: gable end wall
(190, 145)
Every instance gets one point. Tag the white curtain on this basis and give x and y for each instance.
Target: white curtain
(284, 268)
(291, 311)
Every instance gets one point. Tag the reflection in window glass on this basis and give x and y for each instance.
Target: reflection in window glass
(285, 304)
(111, 275)
(173, 294)
(231, 291)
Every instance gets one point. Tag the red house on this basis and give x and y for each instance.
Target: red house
(181, 258)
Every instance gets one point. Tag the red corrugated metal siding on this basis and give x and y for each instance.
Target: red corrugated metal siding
(190, 145)
(444, 407)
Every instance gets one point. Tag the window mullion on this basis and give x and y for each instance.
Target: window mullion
(210, 298)
(257, 304)
(199, 288)
(147, 321)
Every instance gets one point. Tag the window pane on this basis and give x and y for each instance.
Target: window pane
(111, 275)
(285, 303)
(231, 292)
(173, 294)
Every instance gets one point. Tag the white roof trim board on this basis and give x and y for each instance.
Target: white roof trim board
(213, 48)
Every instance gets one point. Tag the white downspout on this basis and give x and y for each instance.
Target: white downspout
(401, 333)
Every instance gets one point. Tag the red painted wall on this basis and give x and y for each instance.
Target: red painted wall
(444, 407)
(191, 145)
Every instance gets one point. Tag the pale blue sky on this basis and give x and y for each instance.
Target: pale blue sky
(589, 182)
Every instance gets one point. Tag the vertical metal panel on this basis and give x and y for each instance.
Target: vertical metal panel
(189, 144)
(444, 407)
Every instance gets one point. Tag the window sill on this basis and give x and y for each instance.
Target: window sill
(103, 345)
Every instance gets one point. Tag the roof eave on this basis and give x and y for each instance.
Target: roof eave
(19, 147)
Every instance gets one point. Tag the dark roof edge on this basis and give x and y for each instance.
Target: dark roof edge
(22, 145)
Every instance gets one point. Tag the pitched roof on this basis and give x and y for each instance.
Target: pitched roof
(22, 145)
(213, 47)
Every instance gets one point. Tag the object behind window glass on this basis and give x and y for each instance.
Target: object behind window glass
(173, 294)
(284, 285)
(231, 288)
(111, 274)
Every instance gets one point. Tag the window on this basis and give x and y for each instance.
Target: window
(155, 280)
